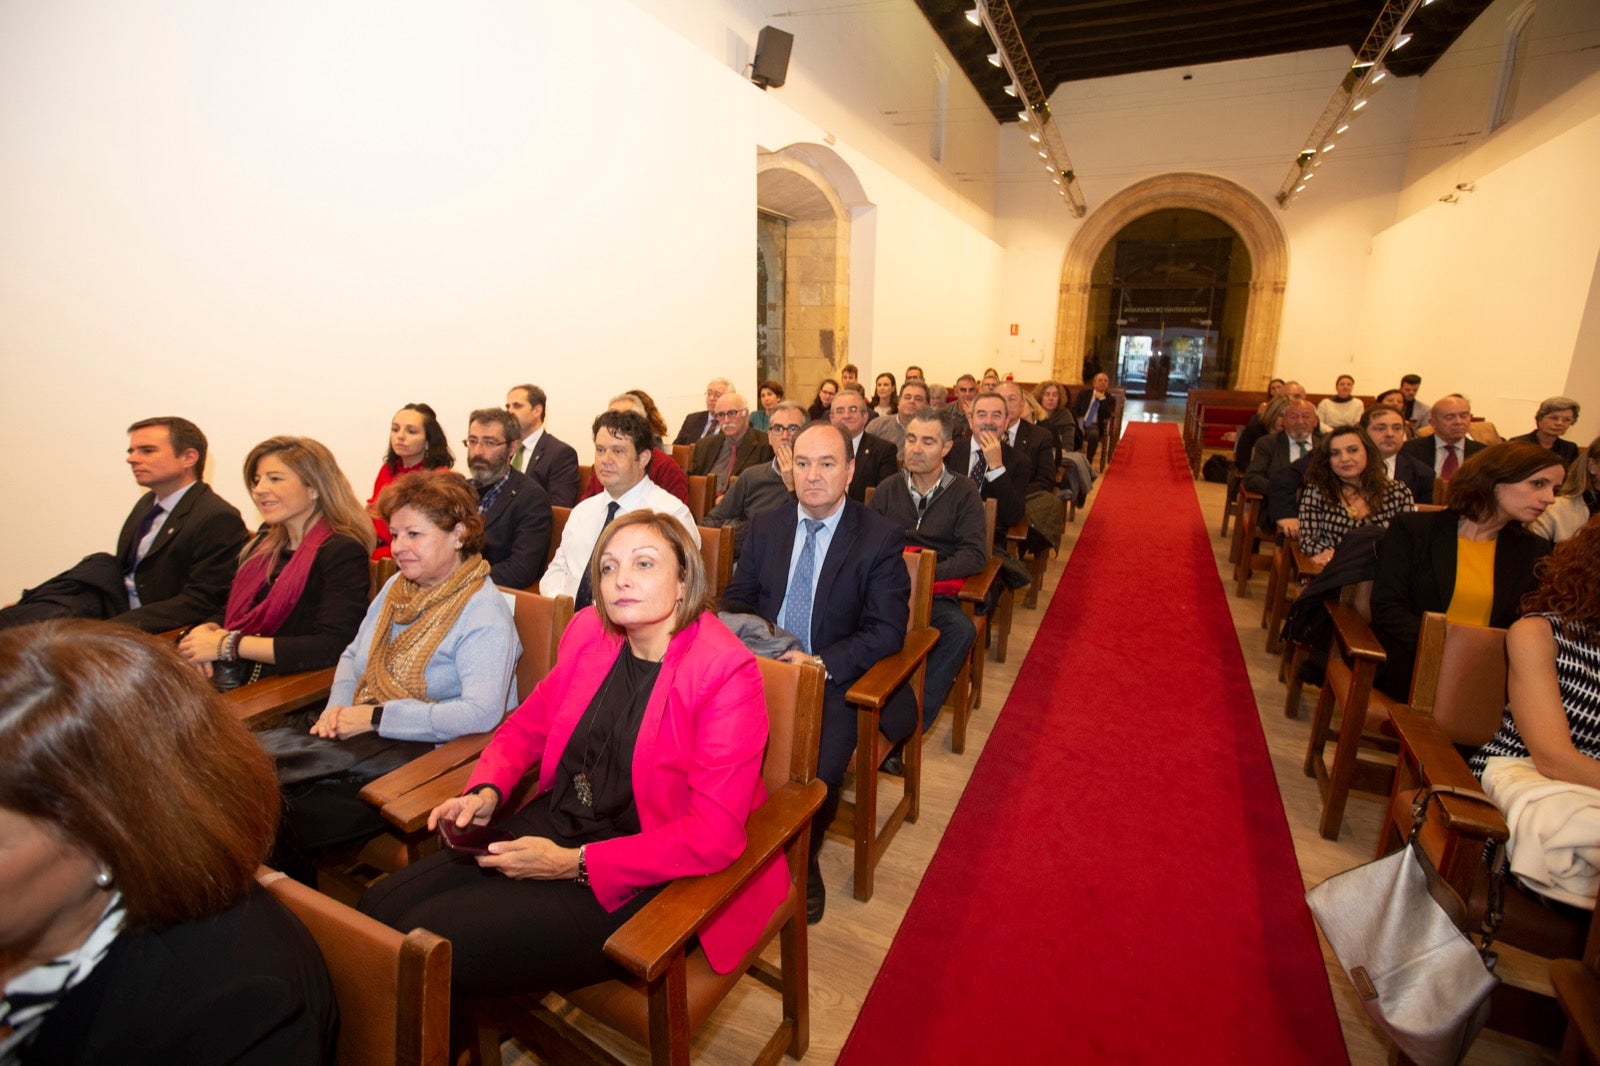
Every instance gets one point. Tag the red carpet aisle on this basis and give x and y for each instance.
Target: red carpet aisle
(1118, 882)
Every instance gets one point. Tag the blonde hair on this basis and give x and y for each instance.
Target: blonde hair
(697, 597)
(315, 466)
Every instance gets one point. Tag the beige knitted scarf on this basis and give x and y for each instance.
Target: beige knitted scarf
(396, 664)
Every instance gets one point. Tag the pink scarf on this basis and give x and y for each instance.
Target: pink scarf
(264, 618)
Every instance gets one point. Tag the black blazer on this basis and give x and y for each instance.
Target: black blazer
(1009, 490)
(1416, 476)
(516, 532)
(1565, 450)
(329, 612)
(554, 465)
(875, 460)
(247, 986)
(1037, 446)
(186, 575)
(1417, 573)
(1425, 451)
(1272, 455)
(694, 427)
(1080, 407)
(753, 450)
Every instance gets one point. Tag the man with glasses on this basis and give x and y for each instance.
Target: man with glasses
(734, 448)
(761, 488)
(875, 458)
(892, 428)
(700, 424)
(515, 509)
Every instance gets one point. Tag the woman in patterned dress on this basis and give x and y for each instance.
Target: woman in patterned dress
(1346, 486)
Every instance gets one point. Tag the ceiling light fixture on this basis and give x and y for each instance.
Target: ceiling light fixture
(1035, 137)
(975, 17)
(994, 59)
(1358, 105)
(1400, 42)
(1011, 90)
(1341, 129)
(1379, 76)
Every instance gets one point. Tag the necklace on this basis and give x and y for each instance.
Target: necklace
(583, 781)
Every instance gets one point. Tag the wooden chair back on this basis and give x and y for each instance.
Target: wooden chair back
(393, 990)
(558, 526)
(540, 621)
(792, 732)
(920, 566)
(1460, 678)
(1441, 488)
(379, 571)
(716, 550)
(681, 454)
(585, 475)
(702, 495)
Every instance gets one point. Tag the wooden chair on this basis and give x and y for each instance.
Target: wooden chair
(1441, 488)
(558, 526)
(1291, 569)
(716, 549)
(670, 989)
(1357, 597)
(585, 475)
(1251, 556)
(681, 454)
(702, 495)
(967, 692)
(1231, 501)
(1577, 985)
(393, 990)
(859, 820)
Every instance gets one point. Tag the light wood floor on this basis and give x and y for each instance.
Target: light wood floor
(849, 945)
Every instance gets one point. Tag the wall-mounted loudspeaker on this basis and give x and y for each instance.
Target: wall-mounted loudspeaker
(772, 57)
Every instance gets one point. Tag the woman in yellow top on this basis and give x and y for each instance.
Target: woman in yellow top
(1473, 561)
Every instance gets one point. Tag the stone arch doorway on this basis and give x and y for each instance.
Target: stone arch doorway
(1245, 213)
(806, 196)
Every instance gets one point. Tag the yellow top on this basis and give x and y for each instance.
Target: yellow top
(1473, 598)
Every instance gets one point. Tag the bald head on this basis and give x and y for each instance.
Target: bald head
(1300, 419)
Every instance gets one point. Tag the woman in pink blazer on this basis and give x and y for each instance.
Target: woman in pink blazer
(648, 737)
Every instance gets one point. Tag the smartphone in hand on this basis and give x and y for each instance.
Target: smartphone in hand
(473, 840)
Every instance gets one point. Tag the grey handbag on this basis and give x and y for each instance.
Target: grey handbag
(1396, 927)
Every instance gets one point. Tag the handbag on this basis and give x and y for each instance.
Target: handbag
(1395, 926)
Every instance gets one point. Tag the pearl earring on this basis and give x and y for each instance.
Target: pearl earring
(103, 879)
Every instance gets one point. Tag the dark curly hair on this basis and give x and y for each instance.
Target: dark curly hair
(1373, 484)
(437, 455)
(1569, 580)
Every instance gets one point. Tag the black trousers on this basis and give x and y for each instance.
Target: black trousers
(507, 936)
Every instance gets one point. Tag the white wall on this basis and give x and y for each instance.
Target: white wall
(296, 218)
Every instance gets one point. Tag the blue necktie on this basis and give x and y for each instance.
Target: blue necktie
(585, 594)
(797, 609)
(151, 517)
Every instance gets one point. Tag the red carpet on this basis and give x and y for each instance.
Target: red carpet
(1118, 882)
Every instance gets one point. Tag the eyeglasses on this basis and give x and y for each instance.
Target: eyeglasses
(482, 442)
(848, 409)
(787, 431)
(724, 416)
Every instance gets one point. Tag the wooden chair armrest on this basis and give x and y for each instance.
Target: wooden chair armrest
(271, 698)
(409, 811)
(1441, 764)
(1302, 562)
(424, 768)
(647, 941)
(1249, 495)
(1355, 636)
(873, 688)
(1018, 532)
(976, 590)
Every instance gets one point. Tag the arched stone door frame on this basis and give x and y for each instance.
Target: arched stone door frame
(1250, 218)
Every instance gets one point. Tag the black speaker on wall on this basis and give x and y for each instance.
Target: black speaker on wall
(772, 57)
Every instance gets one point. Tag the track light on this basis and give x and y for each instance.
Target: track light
(1330, 146)
(994, 59)
(1023, 116)
(1359, 104)
(975, 17)
(1011, 90)
(1299, 188)
(1043, 154)
(1361, 64)
(1400, 42)
(1341, 129)
(1034, 137)
(1379, 76)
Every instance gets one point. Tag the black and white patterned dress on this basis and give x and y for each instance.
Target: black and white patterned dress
(1324, 522)
(1578, 677)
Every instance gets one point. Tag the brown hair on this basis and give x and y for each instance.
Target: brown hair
(1373, 484)
(652, 413)
(316, 467)
(697, 598)
(1569, 580)
(444, 496)
(183, 435)
(126, 751)
(1471, 491)
(1578, 480)
(1062, 398)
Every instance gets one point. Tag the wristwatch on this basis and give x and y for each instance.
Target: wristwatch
(583, 865)
(377, 715)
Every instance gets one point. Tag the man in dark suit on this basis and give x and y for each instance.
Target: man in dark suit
(515, 510)
(700, 424)
(999, 471)
(732, 450)
(550, 462)
(1278, 450)
(1094, 408)
(1448, 447)
(175, 556)
(1034, 443)
(1387, 428)
(875, 458)
(840, 585)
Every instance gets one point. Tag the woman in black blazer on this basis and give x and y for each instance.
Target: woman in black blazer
(1491, 498)
(1554, 417)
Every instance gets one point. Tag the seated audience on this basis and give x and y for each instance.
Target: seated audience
(699, 424)
(990, 380)
(1414, 411)
(818, 411)
(885, 398)
(650, 665)
(652, 414)
(1035, 444)
(1057, 417)
(767, 397)
(1274, 453)
(1387, 429)
(1345, 487)
(734, 448)
(514, 507)
(1342, 408)
(1448, 446)
(551, 462)
(762, 488)
(1553, 684)
(416, 443)
(176, 554)
(435, 658)
(961, 396)
(1268, 420)
(134, 813)
(622, 458)
(875, 458)
(993, 464)
(1473, 561)
(301, 588)
(663, 469)
(913, 397)
(1579, 500)
(936, 393)
(1551, 422)
(1094, 408)
(850, 378)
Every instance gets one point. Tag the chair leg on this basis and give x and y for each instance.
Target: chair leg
(866, 819)
(1319, 730)
(1274, 580)
(1294, 656)
(669, 1015)
(793, 951)
(1347, 746)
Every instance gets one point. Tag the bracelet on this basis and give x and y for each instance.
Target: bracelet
(583, 865)
(234, 636)
(222, 640)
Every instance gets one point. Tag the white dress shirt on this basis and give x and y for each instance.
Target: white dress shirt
(588, 520)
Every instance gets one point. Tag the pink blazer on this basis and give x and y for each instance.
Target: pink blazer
(696, 769)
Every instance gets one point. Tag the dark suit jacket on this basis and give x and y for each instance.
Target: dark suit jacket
(1009, 490)
(247, 986)
(325, 618)
(1565, 450)
(1102, 414)
(1416, 476)
(1037, 446)
(516, 532)
(186, 575)
(1271, 455)
(875, 460)
(693, 428)
(753, 450)
(1425, 451)
(1417, 573)
(554, 465)
(1283, 491)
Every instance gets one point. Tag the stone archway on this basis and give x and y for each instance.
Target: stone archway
(1230, 202)
(815, 191)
